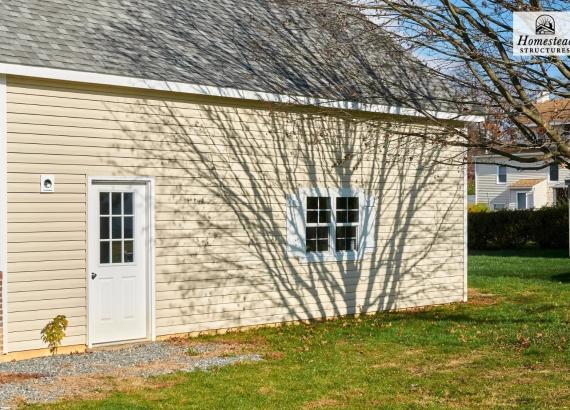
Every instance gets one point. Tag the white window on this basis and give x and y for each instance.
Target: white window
(498, 207)
(501, 174)
(330, 223)
(554, 172)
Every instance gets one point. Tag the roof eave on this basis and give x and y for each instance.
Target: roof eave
(224, 92)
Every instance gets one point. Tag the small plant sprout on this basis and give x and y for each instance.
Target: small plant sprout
(54, 332)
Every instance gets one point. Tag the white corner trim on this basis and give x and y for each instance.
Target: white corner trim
(4, 209)
(465, 232)
(151, 256)
(476, 174)
(188, 88)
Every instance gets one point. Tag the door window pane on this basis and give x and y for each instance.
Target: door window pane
(104, 254)
(117, 251)
(104, 227)
(116, 227)
(128, 226)
(119, 228)
(129, 251)
(117, 203)
(104, 203)
(128, 203)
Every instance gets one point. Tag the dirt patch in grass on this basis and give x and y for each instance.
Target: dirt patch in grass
(6, 378)
(273, 355)
(461, 361)
(477, 298)
(89, 387)
(230, 347)
(321, 404)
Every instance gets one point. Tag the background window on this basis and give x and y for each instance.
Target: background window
(554, 172)
(502, 174)
(498, 207)
(347, 218)
(318, 224)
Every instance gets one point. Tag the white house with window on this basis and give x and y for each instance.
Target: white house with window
(501, 186)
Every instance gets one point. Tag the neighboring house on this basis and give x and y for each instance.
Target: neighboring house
(174, 167)
(501, 186)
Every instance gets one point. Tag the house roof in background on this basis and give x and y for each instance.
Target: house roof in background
(526, 183)
(554, 111)
(290, 47)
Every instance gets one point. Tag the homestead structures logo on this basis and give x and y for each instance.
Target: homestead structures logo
(545, 25)
(541, 33)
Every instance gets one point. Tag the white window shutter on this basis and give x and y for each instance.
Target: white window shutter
(368, 225)
(295, 226)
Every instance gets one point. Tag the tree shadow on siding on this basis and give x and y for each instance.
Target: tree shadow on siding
(224, 171)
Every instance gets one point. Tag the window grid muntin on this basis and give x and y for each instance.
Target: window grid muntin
(116, 228)
(347, 221)
(318, 222)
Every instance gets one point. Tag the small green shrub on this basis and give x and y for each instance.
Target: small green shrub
(476, 208)
(193, 352)
(471, 188)
(54, 332)
(545, 228)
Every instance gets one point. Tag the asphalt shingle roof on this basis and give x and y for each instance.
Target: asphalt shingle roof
(280, 46)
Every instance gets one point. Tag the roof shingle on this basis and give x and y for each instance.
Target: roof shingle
(278, 46)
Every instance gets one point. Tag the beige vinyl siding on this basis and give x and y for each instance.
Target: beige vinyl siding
(540, 194)
(223, 169)
(490, 192)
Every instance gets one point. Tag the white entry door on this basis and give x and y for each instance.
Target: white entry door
(118, 262)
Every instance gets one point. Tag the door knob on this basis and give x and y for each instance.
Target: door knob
(93, 275)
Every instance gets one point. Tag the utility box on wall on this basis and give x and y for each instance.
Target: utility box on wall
(47, 184)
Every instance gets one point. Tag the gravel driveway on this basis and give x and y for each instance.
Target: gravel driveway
(51, 378)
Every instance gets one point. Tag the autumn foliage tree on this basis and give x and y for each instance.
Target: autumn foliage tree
(469, 45)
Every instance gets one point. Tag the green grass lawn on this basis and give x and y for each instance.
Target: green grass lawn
(508, 347)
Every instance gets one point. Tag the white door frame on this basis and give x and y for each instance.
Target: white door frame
(150, 274)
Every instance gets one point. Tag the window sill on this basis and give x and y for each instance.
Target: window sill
(331, 257)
